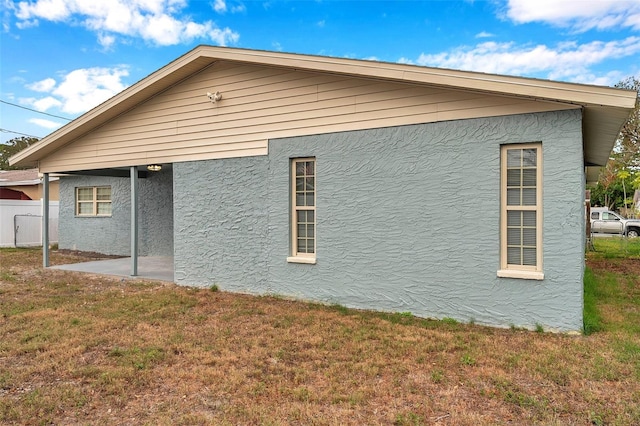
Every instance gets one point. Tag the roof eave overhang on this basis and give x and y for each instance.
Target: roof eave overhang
(601, 104)
(146, 88)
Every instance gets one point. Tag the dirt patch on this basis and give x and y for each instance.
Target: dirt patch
(616, 266)
(85, 254)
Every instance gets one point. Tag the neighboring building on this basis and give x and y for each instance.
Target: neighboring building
(24, 185)
(373, 185)
(21, 205)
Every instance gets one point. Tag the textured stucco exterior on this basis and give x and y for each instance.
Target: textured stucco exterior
(407, 220)
(112, 235)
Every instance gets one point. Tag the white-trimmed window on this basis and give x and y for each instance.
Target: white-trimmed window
(93, 201)
(521, 211)
(303, 210)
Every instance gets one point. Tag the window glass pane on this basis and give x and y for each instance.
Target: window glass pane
(302, 216)
(299, 184)
(300, 168)
(529, 157)
(309, 183)
(302, 230)
(104, 193)
(529, 177)
(514, 256)
(513, 197)
(513, 177)
(514, 237)
(514, 218)
(85, 208)
(529, 218)
(311, 230)
(513, 158)
(529, 237)
(529, 256)
(529, 197)
(311, 216)
(310, 199)
(300, 199)
(305, 245)
(310, 242)
(85, 194)
(104, 208)
(309, 168)
(594, 215)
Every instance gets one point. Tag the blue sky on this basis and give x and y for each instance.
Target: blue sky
(63, 57)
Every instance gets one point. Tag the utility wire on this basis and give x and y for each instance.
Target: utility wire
(33, 110)
(18, 133)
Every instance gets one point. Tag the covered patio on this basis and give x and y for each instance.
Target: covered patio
(149, 267)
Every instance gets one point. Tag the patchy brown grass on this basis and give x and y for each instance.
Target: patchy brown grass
(78, 349)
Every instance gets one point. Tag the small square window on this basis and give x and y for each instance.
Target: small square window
(93, 201)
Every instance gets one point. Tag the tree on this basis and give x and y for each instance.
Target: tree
(11, 148)
(622, 171)
(622, 175)
(628, 143)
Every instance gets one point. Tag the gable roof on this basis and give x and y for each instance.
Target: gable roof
(21, 177)
(605, 109)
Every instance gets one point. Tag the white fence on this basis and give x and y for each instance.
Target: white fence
(21, 223)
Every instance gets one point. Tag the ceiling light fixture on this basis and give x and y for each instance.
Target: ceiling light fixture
(154, 167)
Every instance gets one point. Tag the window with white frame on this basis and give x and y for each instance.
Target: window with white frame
(303, 210)
(521, 211)
(93, 201)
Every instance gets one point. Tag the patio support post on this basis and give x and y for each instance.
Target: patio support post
(45, 220)
(134, 220)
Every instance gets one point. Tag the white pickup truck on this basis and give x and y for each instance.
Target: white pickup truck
(604, 221)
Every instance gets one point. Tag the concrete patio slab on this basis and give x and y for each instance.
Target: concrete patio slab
(151, 267)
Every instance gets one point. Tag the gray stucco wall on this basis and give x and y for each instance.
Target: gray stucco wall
(407, 220)
(221, 210)
(111, 235)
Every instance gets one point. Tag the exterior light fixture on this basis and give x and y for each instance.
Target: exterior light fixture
(214, 97)
(154, 167)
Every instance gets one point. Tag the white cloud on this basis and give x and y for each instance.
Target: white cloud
(83, 89)
(106, 41)
(43, 85)
(223, 37)
(156, 21)
(578, 14)
(23, 25)
(321, 24)
(238, 8)
(78, 91)
(484, 34)
(52, 10)
(220, 6)
(47, 124)
(566, 61)
(46, 103)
